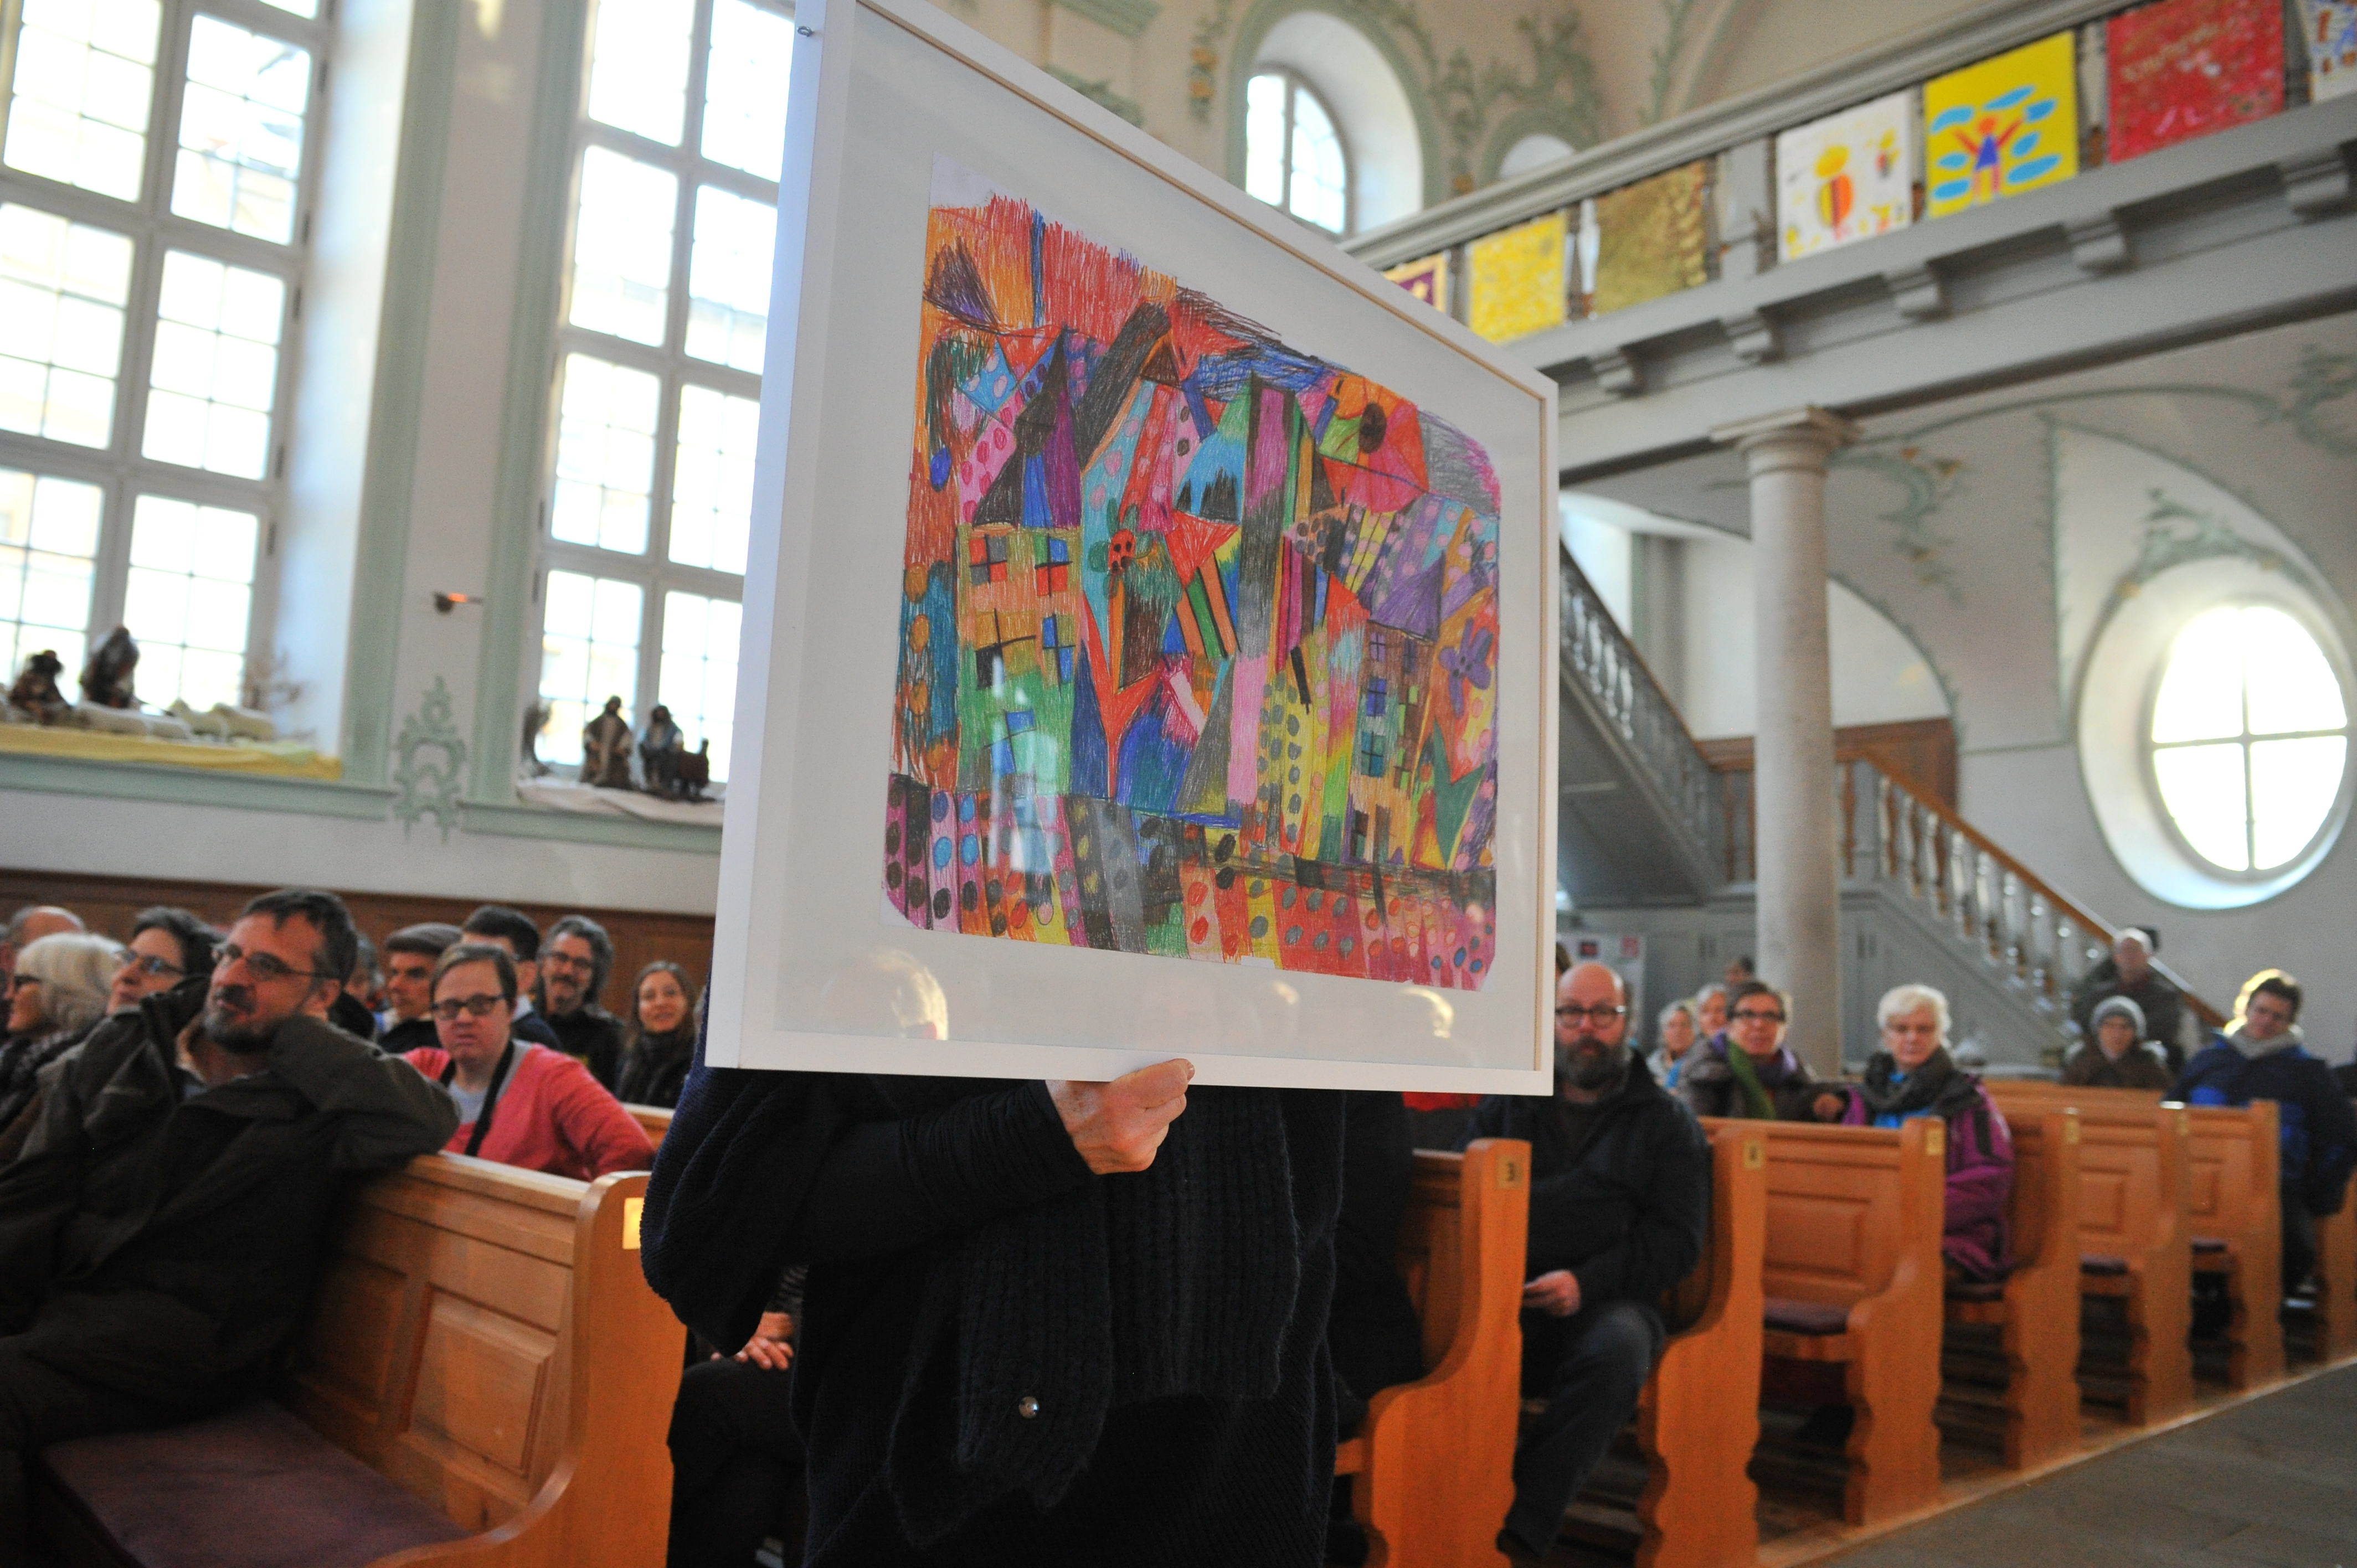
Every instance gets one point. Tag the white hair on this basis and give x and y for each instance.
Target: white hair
(1901, 1000)
(1673, 1010)
(76, 970)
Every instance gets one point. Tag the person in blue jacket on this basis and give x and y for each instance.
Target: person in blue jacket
(2259, 1056)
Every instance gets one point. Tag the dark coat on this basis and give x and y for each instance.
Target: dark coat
(186, 1233)
(1708, 1084)
(2314, 1119)
(2143, 1066)
(409, 1034)
(2162, 1004)
(654, 1067)
(592, 1037)
(1630, 1214)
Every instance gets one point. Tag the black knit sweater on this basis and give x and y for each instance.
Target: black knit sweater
(1004, 1356)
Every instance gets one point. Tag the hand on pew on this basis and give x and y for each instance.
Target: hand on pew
(1119, 1127)
(1554, 1293)
(1829, 1106)
(771, 1348)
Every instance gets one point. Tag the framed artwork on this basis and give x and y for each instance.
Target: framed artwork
(2001, 127)
(2182, 69)
(1519, 279)
(2329, 28)
(1149, 626)
(1426, 279)
(1652, 238)
(1847, 177)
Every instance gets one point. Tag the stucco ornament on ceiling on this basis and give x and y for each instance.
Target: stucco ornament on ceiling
(431, 773)
(1926, 483)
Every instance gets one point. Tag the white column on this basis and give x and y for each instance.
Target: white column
(1798, 940)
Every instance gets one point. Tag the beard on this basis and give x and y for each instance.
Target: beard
(229, 1022)
(1592, 1064)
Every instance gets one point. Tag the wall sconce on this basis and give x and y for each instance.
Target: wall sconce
(446, 601)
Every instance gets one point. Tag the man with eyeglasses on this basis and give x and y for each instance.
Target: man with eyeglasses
(161, 1231)
(574, 964)
(1619, 1213)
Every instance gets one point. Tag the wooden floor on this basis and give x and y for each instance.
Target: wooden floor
(1800, 1482)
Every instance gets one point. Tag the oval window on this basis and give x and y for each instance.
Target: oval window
(2249, 738)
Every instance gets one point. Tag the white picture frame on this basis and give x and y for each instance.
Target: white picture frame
(808, 971)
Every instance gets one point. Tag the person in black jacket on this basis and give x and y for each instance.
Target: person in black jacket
(574, 964)
(160, 1233)
(1619, 1213)
(407, 1022)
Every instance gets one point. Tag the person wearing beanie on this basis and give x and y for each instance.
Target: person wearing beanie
(2116, 1054)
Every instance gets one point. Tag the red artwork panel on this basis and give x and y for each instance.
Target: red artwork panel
(2184, 69)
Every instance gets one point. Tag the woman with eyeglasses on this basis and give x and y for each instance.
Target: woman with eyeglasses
(519, 1103)
(166, 946)
(1750, 1074)
(56, 997)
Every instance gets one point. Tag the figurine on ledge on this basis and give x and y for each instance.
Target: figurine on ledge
(36, 691)
(606, 748)
(106, 679)
(659, 749)
(695, 772)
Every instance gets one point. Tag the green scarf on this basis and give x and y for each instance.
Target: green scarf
(1747, 1079)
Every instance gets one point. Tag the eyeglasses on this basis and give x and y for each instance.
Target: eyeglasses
(1600, 1014)
(473, 1006)
(265, 968)
(567, 960)
(1750, 1016)
(149, 964)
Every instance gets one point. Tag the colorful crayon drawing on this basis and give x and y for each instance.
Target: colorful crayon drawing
(2002, 127)
(1426, 279)
(2330, 29)
(2183, 69)
(1519, 279)
(1846, 177)
(1199, 634)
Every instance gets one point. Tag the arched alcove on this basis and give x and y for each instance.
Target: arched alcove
(1362, 82)
(1537, 150)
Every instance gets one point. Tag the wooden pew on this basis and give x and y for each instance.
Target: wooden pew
(654, 1121)
(2036, 1308)
(1434, 1464)
(482, 1340)
(1852, 1276)
(2136, 1248)
(2336, 1279)
(2234, 1206)
(1698, 1420)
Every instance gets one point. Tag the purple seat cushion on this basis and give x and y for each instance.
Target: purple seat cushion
(1977, 1290)
(2109, 1264)
(255, 1489)
(1789, 1316)
(2208, 1243)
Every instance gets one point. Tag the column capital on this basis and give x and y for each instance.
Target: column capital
(1792, 437)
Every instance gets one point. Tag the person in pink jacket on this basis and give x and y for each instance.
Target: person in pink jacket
(1913, 1075)
(519, 1103)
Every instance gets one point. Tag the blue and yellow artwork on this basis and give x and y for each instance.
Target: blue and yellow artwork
(2002, 127)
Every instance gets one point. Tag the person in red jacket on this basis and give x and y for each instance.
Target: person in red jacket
(519, 1103)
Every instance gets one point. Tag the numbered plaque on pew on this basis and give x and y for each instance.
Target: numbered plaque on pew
(1149, 628)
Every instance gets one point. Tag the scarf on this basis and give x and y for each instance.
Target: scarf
(2251, 1050)
(1890, 1092)
(1179, 1280)
(653, 1067)
(1747, 1082)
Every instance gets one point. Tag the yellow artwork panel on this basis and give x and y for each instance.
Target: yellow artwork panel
(1518, 279)
(2002, 127)
(1652, 238)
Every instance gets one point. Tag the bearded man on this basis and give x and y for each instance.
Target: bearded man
(160, 1233)
(1620, 1211)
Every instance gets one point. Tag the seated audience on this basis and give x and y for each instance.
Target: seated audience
(354, 1013)
(407, 1021)
(1619, 1213)
(662, 1045)
(234, 1097)
(57, 994)
(166, 946)
(1912, 1075)
(1749, 1073)
(519, 1103)
(2260, 1058)
(574, 964)
(509, 929)
(30, 925)
(1674, 1032)
(2128, 973)
(2118, 1056)
(735, 1457)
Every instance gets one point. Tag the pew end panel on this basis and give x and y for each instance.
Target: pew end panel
(2235, 1207)
(2038, 1313)
(1433, 1467)
(1855, 1220)
(1698, 1419)
(2336, 1278)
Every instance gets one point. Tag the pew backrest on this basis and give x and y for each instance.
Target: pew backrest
(654, 1121)
(1849, 1210)
(2046, 1180)
(2133, 1162)
(2233, 1155)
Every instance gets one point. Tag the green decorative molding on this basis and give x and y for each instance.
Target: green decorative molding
(624, 833)
(192, 787)
(2204, 537)
(1128, 17)
(1101, 94)
(2322, 380)
(432, 774)
(1926, 484)
(523, 420)
(1678, 15)
(381, 555)
(1203, 61)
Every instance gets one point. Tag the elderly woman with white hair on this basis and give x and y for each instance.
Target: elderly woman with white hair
(56, 996)
(1912, 1075)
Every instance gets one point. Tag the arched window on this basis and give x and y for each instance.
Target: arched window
(1534, 151)
(2249, 737)
(1293, 157)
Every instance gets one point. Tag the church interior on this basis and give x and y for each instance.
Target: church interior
(1955, 507)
